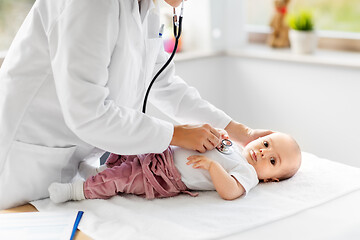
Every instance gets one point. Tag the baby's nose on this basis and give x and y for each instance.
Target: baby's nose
(263, 152)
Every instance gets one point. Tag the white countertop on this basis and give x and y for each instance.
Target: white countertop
(321, 56)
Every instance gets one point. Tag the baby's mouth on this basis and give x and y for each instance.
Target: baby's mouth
(253, 155)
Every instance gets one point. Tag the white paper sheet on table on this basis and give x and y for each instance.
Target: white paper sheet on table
(208, 216)
(37, 226)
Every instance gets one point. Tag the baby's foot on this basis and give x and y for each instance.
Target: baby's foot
(86, 170)
(62, 192)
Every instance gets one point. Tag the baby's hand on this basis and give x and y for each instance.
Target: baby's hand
(223, 133)
(200, 161)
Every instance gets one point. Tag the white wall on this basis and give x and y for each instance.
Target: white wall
(204, 74)
(318, 105)
(227, 19)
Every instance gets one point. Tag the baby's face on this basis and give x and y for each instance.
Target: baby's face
(273, 156)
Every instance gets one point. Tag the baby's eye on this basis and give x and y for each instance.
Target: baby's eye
(272, 161)
(266, 143)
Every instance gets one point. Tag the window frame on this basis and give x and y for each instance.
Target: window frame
(235, 18)
(332, 40)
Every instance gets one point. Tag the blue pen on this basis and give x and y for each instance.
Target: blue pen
(76, 224)
(161, 30)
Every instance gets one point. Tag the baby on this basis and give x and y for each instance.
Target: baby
(274, 157)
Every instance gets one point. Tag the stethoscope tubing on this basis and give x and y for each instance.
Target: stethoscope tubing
(177, 34)
(225, 143)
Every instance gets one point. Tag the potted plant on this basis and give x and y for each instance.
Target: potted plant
(303, 39)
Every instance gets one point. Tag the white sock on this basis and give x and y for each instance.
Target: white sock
(78, 190)
(62, 192)
(86, 170)
(101, 168)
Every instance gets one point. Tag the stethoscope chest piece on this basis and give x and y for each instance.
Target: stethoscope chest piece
(226, 147)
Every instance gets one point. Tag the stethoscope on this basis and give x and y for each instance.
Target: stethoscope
(177, 24)
(225, 147)
(226, 144)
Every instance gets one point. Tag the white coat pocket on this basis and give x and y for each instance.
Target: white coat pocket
(153, 46)
(29, 170)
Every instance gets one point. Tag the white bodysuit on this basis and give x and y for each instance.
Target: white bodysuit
(199, 179)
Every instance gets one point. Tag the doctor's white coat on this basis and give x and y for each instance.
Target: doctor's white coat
(73, 81)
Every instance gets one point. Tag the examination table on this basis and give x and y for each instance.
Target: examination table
(322, 201)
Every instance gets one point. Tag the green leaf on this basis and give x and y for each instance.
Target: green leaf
(301, 21)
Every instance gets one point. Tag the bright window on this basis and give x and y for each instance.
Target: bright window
(196, 28)
(330, 15)
(196, 24)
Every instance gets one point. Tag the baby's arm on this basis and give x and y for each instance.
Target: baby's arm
(227, 186)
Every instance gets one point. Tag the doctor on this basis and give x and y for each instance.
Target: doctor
(72, 84)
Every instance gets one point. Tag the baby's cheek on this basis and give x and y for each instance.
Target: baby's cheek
(245, 153)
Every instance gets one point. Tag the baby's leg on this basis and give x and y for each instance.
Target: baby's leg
(116, 160)
(62, 192)
(86, 170)
(125, 178)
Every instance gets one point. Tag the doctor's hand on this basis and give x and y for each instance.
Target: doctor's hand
(243, 134)
(200, 138)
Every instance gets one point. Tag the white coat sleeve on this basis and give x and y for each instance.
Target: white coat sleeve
(81, 44)
(182, 102)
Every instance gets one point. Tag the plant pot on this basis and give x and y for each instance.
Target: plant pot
(303, 42)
